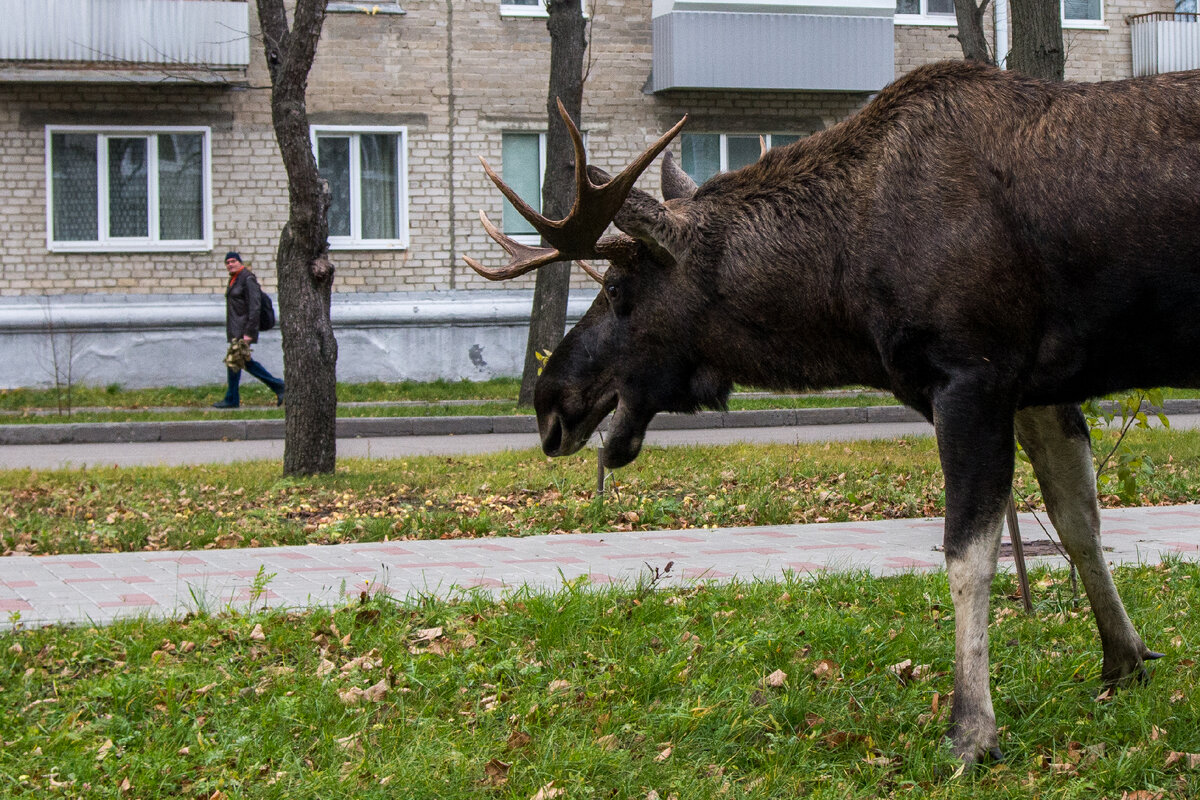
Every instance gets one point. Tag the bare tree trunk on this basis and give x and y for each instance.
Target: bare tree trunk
(1037, 41)
(548, 319)
(305, 274)
(970, 30)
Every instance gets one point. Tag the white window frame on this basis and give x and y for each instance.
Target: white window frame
(355, 241)
(724, 146)
(1082, 24)
(530, 238)
(938, 20)
(148, 244)
(515, 10)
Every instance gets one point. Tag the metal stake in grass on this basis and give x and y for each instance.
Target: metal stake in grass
(1014, 534)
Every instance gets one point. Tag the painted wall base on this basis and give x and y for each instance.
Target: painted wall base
(141, 341)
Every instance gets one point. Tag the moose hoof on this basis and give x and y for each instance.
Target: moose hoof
(974, 746)
(1127, 670)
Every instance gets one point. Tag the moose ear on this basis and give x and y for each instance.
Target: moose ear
(646, 219)
(676, 184)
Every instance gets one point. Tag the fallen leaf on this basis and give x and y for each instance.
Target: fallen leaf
(325, 667)
(518, 739)
(548, 792)
(257, 634)
(1177, 696)
(776, 679)
(1142, 794)
(1106, 695)
(428, 634)
(607, 742)
(558, 686)
(102, 753)
(496, 772)
(825, 669)
(1186, 760)
(664, 754)
(352, 743)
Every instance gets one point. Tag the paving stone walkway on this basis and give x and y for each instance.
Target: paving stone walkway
(100, 588)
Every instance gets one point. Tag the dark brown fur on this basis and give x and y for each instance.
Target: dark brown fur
(981, 244)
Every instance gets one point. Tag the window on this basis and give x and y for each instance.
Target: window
(1085, 11)
(367, 171)
(523, 167)
(932, 12)
(127, 189)
(706, 154)
(523, 8)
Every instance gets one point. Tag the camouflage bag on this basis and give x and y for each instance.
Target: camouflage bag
(238, 355)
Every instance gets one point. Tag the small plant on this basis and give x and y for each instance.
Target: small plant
(1118, 471)
(258, 586)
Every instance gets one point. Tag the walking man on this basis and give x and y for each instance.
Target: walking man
(243, 299)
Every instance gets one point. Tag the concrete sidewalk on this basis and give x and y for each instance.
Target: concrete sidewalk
(97, 589)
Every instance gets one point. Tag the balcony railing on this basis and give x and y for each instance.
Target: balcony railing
(1165, 42)
(179, 33)
(807, 45)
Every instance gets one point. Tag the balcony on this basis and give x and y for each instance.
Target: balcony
(797, 45)
(120, 41)
(1165, 42)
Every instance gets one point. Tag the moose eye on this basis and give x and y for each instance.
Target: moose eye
(613, 291)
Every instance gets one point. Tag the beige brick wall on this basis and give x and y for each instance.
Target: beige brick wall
(457, 79)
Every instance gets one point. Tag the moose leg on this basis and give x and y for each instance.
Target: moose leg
(1056, 439)
(975, 444)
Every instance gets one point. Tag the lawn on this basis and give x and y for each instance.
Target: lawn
(834, 687)
(508, 494)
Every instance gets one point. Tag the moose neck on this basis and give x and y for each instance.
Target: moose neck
(781, 237)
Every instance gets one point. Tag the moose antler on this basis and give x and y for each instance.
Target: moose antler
(577, 236)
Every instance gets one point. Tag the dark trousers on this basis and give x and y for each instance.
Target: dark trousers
(256, 369)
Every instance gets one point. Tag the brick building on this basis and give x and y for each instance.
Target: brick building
(137, 148)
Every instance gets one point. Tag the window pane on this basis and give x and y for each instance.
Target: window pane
(1081, 9)
(73, 171)
(742, 150)
(180, 186)
(1185, 6)
(780, 139)
(128, 206)
(380, 185)
(908, 6)
(942, 6)
(701, 155)
(521, 159)
(333, 156)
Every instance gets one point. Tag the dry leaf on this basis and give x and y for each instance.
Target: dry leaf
(325, 667)
(558, 686)
(1106, 695)
(496, 772)
(607, 742)
(664, 754)
(1177, 696)
(377, 691)
(428, 634)
(1156, 733)
(126, 786)
(548, 792)
(1185, 760)
(903, 670)
(102, 753)
(776, 679)
(351, 743)
(1142, 794)
(812, 720)
(518, 739)
(825, 669)
(257, 634)
(351, 697)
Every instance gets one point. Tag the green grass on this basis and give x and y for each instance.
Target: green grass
(507, 494)
(606, 693)
(439, 399)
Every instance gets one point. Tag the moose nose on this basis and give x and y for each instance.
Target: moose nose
(552, 435)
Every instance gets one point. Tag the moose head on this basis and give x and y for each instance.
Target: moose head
(625, 354)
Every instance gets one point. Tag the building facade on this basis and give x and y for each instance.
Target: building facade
(137, 148)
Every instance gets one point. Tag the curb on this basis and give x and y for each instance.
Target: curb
(364, 427)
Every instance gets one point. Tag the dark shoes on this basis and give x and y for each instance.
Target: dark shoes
(279, 399)
(224, 404)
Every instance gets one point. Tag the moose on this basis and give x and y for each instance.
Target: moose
(991, 248)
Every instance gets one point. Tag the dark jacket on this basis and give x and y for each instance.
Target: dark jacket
(243, 300)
